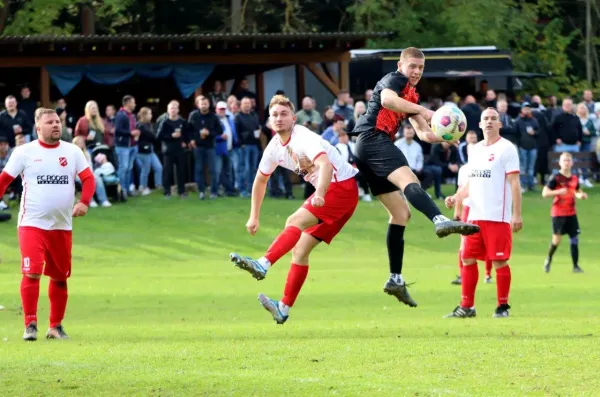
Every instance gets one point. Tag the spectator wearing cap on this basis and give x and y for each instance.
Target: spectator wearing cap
(331, 134)
(308, 116)
(527, 129)
(225, 145)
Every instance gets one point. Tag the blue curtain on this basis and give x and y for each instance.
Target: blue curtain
(187, 77)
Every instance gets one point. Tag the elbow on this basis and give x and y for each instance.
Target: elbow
(386, 101)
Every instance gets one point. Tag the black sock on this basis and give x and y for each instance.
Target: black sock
(395, 246)
(551, 251)
(575, 254)
(421, 201)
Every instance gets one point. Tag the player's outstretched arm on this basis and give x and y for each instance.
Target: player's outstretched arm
(325, 175)
(581, 195)
(423, 130)
(515, 189)
(392, 101)
(258, 195)
(548, 192)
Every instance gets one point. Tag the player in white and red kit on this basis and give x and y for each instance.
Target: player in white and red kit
(494, 192)
(48, 167)
(321, 217)
(461, 213)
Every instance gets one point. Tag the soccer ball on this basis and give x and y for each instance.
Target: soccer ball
(449, 123)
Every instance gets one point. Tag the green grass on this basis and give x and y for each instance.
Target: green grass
(156, 309)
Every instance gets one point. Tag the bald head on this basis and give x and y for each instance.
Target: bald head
(490, 123)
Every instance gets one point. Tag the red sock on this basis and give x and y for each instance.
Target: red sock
(30, 293)
(503, 278)
(293, 284)
(283, 244)
(470, 276)
(58, 294)
(488, 267)
(460, 265)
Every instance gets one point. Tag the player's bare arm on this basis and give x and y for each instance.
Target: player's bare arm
(581, 195)
(515, 189)
(547, 192)
(258, 195)
(423, 130)
(392, 101)
(325, 175)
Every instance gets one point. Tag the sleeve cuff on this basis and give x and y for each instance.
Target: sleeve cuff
(513, 172)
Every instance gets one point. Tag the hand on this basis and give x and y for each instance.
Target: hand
(427, 114)
(450, 202)
(252, 226)
(183, 145)
(317, 201)
(89, 138)
(224, 136)
(531, 132)
(17, 129)
(453, 167)
(581, 195)
(562, 191)
(193, 144)
(559, 141)
(135, 133)
(516, 223)
(586, 131)
(80, 209)
(203, 133)
(176, 135)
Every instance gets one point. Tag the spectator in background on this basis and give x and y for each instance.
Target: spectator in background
(553, 109)
(100, 192)
(244, 92)
(542, 139)
(368, 95)
(413, 152)
(14, 121)
(536, 103)
(109, 126)
(507, 130)
(126, 136)
(490, 99)
(442, 163)
(346, 149)
(359, 109)
(332, 133)
(217, 95)
(589, 133)
(173, 131)
(146, 152)
(27, 105)
(342, 107)
(71, 121)
(527, 129)
(204, 126)
(566, 127)
(91, 126)
(328, 115)
(308, 116)
(225, 145)
(233, 106)
(472, 113)
(470, 138)
(66, 134)
(248, 128)
(588, 101)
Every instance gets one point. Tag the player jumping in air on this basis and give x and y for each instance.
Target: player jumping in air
(461, 212)
(564, 188)
(385, 168)
(321, 217)
(48, 167)
(494, 190)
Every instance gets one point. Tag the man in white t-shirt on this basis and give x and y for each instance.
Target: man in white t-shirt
(321, 217)
(48, 167)
(494, 194)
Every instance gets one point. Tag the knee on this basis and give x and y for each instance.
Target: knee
(59, 283)
(499, 264)
(300, 254)
(574, 240)
(469, 262)
(400, 216)
(294, 220)
(33, 276)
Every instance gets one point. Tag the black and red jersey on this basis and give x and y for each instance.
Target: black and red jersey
(563, 205)
(379, 118)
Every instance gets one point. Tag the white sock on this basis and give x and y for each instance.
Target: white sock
(440, 218)
(284, 309)
(264, 262)
(397, 278)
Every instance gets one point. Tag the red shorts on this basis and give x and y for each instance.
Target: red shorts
(341, 200)
(493, 242)
(46, 252)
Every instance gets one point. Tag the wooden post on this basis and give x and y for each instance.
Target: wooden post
(88, 19)
(260, 95)
(45, 88)
(300, 85)
(344, 80)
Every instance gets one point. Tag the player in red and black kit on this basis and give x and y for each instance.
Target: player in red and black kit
(385, 168)
(564, 187)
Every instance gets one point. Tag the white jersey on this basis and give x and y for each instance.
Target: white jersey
(463, 178)
(299, 153)
(489, 191)
(48, 175)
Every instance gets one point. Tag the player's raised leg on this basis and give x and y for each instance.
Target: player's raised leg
(294, 282)
(399, 213)
(285, 241)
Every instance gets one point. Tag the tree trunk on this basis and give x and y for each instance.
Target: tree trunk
(4, 8)
(236, 16)
(588, 41)
(88, 19)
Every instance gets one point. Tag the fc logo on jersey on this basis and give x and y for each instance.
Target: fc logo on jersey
(491, 157)
(62, 161)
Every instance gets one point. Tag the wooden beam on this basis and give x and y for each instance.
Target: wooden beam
(260, 95)
(45, 88)
(344, 82)
(300, 84)
(330, 73)
(88, 19)
(282, 59)
(323, 78)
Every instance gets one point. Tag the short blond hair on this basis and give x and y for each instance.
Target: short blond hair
(283, 101)
(411, 52)
(567, 155)
(39, 112)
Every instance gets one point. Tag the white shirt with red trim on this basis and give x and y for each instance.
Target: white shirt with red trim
(48, 174)
(463, 178)
(299, 153)
(489, 191)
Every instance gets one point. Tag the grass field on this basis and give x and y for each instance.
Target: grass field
(156, 309)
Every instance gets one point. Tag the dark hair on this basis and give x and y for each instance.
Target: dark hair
(127, 99)
(338, 117)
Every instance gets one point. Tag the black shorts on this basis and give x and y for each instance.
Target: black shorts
(562, 225)
(376, 158)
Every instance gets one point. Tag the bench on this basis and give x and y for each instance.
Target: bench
(586, 160)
